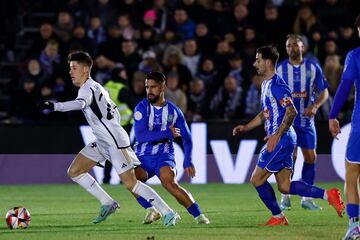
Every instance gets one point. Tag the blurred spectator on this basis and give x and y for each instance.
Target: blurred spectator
(226, 104)
(104, 67)
(194, 10)
(104, 10)
(331, 14)
(25, 100)
(172, 62)
(198, 101)
(130, 58)
(138, 86)
(162, 16)
(253, 103)
(149, 62)
(81, 41)
(249, 45)
(208, 74)
(191, 55)
(34, 74)
(183, 25)
(348, 39)
(147, 39)
(174, 93)
(205, 41)
(220, 18)
(126, 28)
(304, 21)
(221, 58)
(50, 59)
(240, 19)
(39, 42)
(78, 9)
(64, 26)
(273, 29)
(96, 31)
(111, 47)
(333, 71)
(150, 18)
(330, 47)
(237, 71)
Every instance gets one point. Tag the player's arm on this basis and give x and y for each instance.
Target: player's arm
(347, 80)
(288, 120)
(255, 122)
(186, 139)
(322, 87)
(142, 132)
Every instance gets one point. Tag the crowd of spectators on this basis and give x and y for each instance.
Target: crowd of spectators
(205, 47)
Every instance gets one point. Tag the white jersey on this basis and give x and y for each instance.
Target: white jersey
(100, 112)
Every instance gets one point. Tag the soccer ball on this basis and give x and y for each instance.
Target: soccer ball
(18, 217)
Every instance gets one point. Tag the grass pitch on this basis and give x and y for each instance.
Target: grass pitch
(66, 211)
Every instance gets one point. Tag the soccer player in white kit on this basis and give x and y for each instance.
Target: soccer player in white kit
(112, 142)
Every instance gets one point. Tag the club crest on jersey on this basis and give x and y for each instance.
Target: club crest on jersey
(137, 115)
(286, 101)
(170, 117)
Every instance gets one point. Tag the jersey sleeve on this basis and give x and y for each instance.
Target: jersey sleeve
(282, 94)
(350, 73)
(186, 138)
(142, 132)
(85, 95)
(320, 81)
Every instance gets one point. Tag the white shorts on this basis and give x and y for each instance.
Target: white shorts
(122, 159)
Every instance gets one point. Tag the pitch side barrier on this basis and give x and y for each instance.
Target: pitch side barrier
(43, 153)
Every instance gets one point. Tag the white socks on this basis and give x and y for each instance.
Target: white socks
(89, 184)
(152, 197)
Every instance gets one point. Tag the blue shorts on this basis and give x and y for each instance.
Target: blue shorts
(306, 137)
(353, 148)
(152, 163)
(281, 157)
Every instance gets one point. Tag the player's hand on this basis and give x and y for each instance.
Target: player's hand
(311, 111)
(240, 129)
(273, 140)
(190, 171)
(334, 128)
(46, 105)
(175, 131)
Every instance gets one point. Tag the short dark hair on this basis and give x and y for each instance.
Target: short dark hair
(156, 76)
(269, 52)
(294, 36)
(81, 57)
(357, 21)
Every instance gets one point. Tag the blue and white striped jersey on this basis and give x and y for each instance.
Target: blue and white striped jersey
(275, 98)
(152, 132)
(352, 74)
(304, 81)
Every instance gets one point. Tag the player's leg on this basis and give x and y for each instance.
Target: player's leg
(285, 203)
(107, 172)
(78, 172)
(167, 175)
(352, 198)
(152, 214)
(267, 195)
(303, 189)
(123, 160)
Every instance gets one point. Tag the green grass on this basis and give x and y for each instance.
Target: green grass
(65, 212)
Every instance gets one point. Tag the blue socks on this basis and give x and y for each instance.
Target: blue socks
(142, 201)
(352, 211)
(308, 173)
(305, 190)
(194, 210)
(267, 195)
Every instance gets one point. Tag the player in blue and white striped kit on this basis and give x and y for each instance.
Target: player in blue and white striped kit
(305, 80)
(276, 157)
(157, 122)
(350, 77)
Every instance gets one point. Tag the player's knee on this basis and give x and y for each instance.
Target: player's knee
(284, 188)
(255, 180)
(71, 172)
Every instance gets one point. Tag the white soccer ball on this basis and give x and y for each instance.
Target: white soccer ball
(18, 217)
